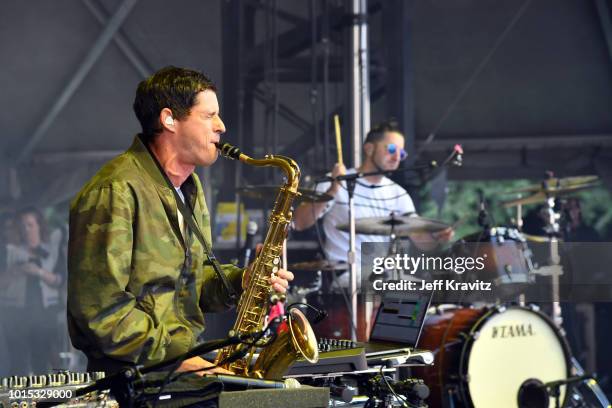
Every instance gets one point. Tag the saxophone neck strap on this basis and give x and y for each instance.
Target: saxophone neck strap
(191, 222)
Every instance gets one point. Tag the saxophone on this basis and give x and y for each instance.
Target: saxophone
(295, 338)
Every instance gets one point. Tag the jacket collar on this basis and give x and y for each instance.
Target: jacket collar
(147, 161)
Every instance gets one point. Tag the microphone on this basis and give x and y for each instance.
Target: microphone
(249, 242)
(344, 393)
(321, 314)
(457, 156)
(412, 388)
(246, 383)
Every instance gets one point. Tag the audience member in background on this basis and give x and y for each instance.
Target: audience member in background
(576, 230)
(30, 298)
(7, 235)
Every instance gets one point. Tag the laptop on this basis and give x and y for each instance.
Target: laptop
(398, 323)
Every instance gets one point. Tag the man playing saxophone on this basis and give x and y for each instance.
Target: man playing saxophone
(139, 281)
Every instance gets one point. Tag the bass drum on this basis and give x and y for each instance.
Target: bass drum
(484, 356)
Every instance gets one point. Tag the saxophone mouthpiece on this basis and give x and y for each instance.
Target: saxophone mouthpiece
(229, 151)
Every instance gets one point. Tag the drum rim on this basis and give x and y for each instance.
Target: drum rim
(469, 342)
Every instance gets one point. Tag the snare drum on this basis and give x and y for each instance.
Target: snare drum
(484, 356)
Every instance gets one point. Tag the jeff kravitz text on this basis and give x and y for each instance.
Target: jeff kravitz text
(438, 284)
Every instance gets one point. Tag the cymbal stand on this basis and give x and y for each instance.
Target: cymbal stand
(553, 229)
(393, 246)
(519, 226)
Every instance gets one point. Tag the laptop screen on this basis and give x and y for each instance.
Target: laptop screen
(400, 318)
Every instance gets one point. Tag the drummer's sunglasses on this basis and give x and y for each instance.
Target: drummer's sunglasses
(392, 148)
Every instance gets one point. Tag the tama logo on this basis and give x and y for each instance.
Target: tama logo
(512, 330)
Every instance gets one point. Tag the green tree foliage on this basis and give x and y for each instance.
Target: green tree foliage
(461, 205)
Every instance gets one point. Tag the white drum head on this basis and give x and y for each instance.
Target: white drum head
(513, 346)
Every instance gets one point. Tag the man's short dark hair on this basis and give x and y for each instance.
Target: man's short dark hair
(377, 132)
(170, 87)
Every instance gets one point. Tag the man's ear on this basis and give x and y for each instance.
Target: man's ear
(166, 119)
(368, 149)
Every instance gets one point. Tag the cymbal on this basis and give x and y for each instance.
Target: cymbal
(402, 225)
(542, 196)
(319, 265)
(553, 187)
(554, 184)
(270, 191)
(542, 239)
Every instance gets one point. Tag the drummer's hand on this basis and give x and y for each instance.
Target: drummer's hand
(445, 235)
(338, 170)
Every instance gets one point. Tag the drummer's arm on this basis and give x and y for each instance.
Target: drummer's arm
(308, 212)
(428, 241)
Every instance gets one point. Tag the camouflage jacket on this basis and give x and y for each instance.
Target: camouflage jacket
(137, 289)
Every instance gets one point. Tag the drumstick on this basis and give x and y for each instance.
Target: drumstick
(338, 139)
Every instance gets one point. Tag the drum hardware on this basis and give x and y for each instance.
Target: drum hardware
(500, 308)
(534, 307)
(301, 292)
(534, 393)
(586, 394)
(451, 395)
(470, 336)
(554, 387)
(465, 378)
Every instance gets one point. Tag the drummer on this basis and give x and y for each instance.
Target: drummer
(375, 196)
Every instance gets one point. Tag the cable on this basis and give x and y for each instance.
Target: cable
(399, 398)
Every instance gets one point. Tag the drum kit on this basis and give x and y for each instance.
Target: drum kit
(488, 355)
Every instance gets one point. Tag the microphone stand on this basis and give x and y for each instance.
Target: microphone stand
(554, 387)
(388, 173)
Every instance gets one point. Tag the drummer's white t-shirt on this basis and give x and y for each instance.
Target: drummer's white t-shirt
(370, 200)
